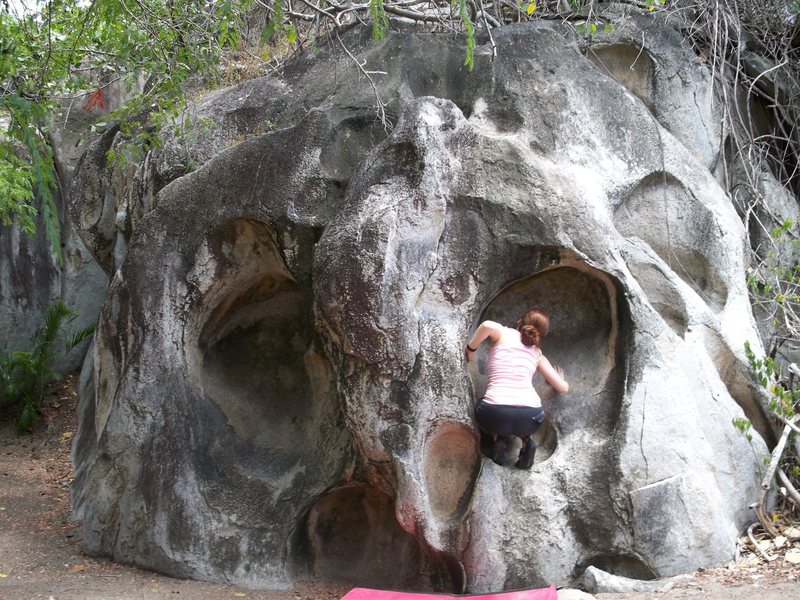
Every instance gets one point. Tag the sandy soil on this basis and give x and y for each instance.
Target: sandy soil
(41, 555)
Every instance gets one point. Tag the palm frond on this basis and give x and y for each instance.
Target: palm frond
(58, 315)
(72, 339)
(25, 375)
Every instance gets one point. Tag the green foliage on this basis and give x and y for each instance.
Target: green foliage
(592, 29)
(469, 28)
(24, 375)
(16, 195)
(586, 27)
(775, 284)
(783, 402)
(744, 426)
(24, 180)
(275, 23)
(74, 49)
(380, 22)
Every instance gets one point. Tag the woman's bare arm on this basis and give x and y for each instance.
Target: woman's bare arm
(487, 329)
(553, 375)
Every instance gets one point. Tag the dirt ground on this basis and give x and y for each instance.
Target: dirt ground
(41, 555)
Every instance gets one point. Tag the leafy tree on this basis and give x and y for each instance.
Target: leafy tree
(24, 375)
(60, 50)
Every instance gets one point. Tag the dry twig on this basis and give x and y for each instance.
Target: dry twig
(766, 482)
(756, 547)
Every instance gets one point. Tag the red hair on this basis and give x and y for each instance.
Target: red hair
(533, 326)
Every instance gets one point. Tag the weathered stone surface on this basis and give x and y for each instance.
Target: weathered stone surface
(32, 279)
(29, 282)
(108, 199)
(597, 581)
(278, 384)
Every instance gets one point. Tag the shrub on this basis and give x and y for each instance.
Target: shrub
(24, 375)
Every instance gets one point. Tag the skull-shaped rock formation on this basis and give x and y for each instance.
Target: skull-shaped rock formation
(278, 387)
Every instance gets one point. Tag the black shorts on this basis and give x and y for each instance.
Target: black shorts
(521, 421)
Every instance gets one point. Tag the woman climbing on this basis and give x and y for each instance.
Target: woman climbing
(511, 407)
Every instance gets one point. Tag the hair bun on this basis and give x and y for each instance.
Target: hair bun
(530, 335)
(533, 326)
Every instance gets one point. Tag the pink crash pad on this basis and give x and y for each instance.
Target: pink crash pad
(367, 594)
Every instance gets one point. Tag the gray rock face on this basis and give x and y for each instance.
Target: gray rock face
(29, 281)
(32, 279)
(108, 199)
(278, 388)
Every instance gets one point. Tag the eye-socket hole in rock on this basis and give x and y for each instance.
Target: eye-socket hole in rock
(255, 339)
(662, 295)
(582, 304)
(348, 143)
(266, 424)
(631, 67)
(353, 537)
(683, 232)
(451, 467)
(258, 361)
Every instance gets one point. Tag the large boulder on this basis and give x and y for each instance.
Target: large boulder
(278, 387)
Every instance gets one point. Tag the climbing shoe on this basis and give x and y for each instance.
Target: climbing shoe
(487, 444)
(526, 454)
(500, 450)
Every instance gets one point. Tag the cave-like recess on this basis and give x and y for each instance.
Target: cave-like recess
(584, 329)
(273, 448)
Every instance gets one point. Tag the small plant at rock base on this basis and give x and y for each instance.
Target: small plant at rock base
(24, 375)
(785, 457)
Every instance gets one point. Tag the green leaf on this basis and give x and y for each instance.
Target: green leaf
(73, 339)
(469, 28)
(380, 22)
(27, 418)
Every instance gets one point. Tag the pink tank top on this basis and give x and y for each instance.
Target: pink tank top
(510, 368)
